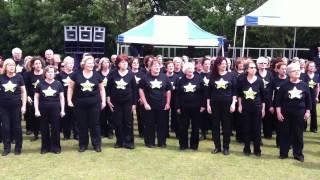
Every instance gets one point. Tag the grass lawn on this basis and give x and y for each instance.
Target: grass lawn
(170, 163)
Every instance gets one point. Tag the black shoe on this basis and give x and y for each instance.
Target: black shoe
(13, 141)
(66, 138)
(28, 133)
(247, 153)
(97, 149)
(203, 136)
(34, 138)
(162, 146)
(129, 146)
(43, 151)
(5, 152)
(17, 152)
(141, 136)
(75, 137)
(314, 131)
(150, 146)
(258, 154)
(82, 149)
(194, 148)
(283, 157)
(110, 136)
(299, 158)
(117, 145)
(226, 152)
(57, 151)
(215, 151)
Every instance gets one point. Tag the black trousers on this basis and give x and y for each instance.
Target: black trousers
(237, 124)
(69, 123)
(174, 123)
(88, 118)
(268, 124)
(205, 122)
(50, 128)
(252, 128)
(313, 119)
(11, 117)
(106, 122)
(221, 116)
(291, 132)
(140, 119)
(123, 123)
(189, 115)
(34, 121)
(155, 123)
(28, 118)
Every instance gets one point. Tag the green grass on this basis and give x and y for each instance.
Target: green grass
(170, 163)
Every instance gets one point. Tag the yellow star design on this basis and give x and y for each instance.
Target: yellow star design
(49, 92)
(121, 84)
(9, 86)
(295, 93)
(312, 84)
(66, 81)
(221, 84)
(173, 87)
(250, 94)
(206, 81)
(189, 88)
(87, 86)
(35, 83)
(278, 87)
(156, 84)
(19, 68)
(105, 81)
(265, 83)
(137, 79)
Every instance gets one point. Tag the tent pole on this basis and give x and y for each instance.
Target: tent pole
(244, 40)
(234, 53)
(117, 48)
(294, 41)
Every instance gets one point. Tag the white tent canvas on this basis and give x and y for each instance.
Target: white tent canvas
(284, 13)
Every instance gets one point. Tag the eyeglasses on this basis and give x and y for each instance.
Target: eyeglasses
(252, 68)
(262, 63)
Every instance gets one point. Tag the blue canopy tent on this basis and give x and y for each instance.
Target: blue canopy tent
(169, 31)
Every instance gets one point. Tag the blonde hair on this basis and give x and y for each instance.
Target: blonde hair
(102, 60)
(85, 59)
(68, 59)
(188, 65)
(5, 64)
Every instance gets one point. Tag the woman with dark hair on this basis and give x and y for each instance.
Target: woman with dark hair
(155, 93)
(68, 122)
(172, 113)
(13, 98)
(189, 103)
(32, 79)
(49, 106)
(121, 99)
(251, 104)
(312, 79)
(293, 104)
(205, 124)
(87, 95)
(105, 117)
(221, 97)
(138, 75)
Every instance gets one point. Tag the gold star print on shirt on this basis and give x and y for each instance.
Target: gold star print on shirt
(295, 93)
(19, 68)
(156, 84)
(87, 86)
(221, 84)
(137, 79)
(312, 84)
(9, 86)
(189, 88)
(49, 92)
(105, 81)
(249, 94)
(121, 84)
(66, 81)
(265, 83)
(35, 84)
(206, 81)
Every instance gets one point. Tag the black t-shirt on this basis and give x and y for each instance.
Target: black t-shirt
(205, 78)
(221, 88)
(122, 88)
(49, 94)
(19, 66)
(312, 83)
(293, 96)
(155, 88)
(276, 84)
(31, 80)
(64, 79)
(189, 92)
(10, 91)
(252, 94)
(138, 76)
(267, 81)
(86, 90)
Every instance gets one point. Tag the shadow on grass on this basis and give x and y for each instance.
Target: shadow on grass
(263, 156)
(308, 165)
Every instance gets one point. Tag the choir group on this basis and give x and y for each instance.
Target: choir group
(101, 97)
